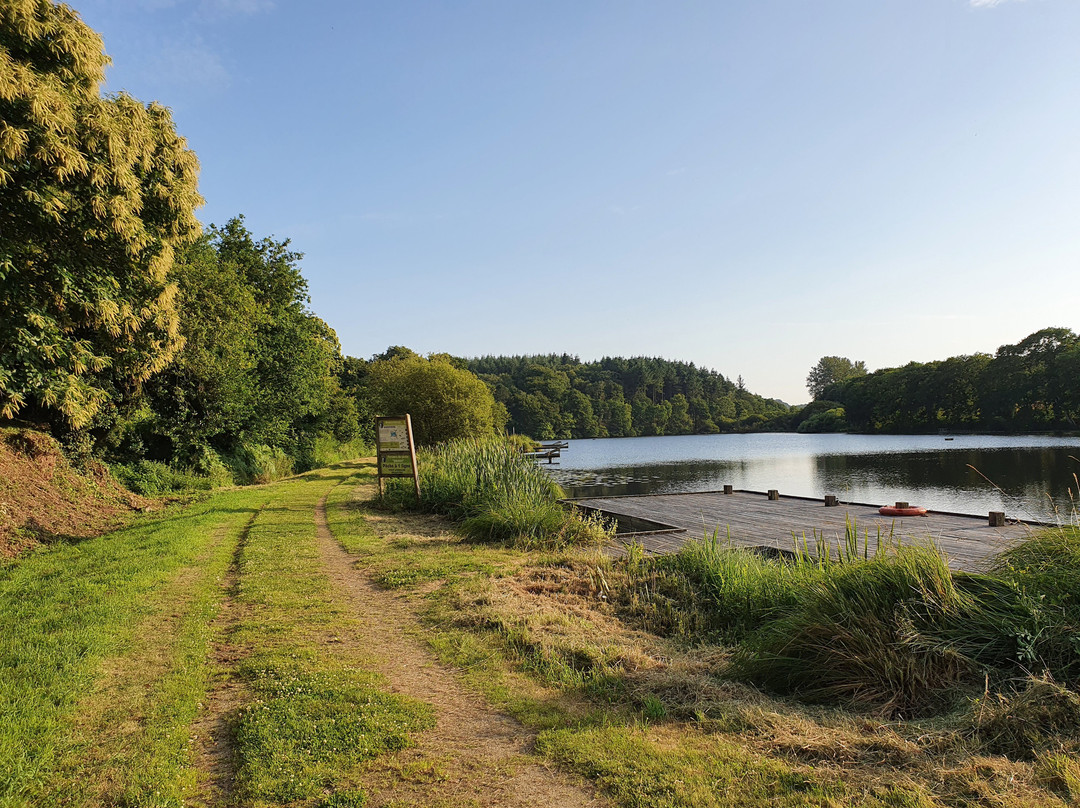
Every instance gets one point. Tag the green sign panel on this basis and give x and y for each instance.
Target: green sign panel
(395, 464)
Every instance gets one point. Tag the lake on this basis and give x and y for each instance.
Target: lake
(1027, 477)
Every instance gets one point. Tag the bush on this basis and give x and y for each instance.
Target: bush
(152, 479)
(259, 464)
(834, 420)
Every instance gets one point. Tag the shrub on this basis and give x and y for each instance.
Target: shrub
(152, 479)
(259, 464)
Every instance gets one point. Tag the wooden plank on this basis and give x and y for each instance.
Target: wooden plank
(751, 519)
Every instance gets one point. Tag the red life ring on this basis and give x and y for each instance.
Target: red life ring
(890, 510)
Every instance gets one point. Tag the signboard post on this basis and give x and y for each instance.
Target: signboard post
(396, 449)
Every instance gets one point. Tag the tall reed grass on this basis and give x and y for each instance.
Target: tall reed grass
(888, 628)
(496, 494)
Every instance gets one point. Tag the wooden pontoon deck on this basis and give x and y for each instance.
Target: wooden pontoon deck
(662, 523)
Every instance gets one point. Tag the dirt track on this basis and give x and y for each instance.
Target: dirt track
(474, 755)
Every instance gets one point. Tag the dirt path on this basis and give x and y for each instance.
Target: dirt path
(474, 755)
(214, 754)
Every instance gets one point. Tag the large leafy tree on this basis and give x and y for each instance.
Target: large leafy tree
(830, 370)
(257, 366)
(444, 400)
(96, 193)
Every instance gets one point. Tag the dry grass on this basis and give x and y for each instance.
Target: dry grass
(555, 620)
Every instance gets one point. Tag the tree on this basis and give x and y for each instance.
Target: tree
(445, 402)
(257, 367)
(831, 370)
(95, 195)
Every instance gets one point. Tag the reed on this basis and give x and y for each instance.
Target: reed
(497, 494)
(870, 623)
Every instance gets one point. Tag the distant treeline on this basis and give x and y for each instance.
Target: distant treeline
(559, 396)
(1031, 386)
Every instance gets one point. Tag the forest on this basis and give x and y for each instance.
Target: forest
(559, 396)
(1030, 386)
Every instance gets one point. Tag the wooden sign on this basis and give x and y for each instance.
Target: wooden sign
(396, 449)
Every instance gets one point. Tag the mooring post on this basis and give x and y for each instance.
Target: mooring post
(902, 505)
(831, 501)
(729, 489)
(774, 494)
(997, 518)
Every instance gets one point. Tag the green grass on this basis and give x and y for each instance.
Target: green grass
(410, 559)
(68, 610)
(305, 728)
(642, 768)
(152, 479)
(316, 713)
(497, 494)
(666, 727)
(105, 659)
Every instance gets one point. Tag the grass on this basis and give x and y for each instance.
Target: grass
(891, 630)
(107, 656)
(496, 494)
(316, 714)
(637, 674)
(638, 767)
(78, 619)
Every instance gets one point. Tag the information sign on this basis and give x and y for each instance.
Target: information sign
(393, 435)
(395, 464)
(396, 449)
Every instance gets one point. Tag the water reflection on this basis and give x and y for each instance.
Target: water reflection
(1029, 478)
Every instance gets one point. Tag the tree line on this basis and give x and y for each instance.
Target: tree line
(559, 396)
(1030, 386)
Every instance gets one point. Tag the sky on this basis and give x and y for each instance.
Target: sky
(748, 185)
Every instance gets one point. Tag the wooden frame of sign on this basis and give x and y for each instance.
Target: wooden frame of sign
(395, 449)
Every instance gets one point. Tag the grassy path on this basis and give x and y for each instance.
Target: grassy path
(291, 645)
(231, 654)
(474, 755)
(193, 658)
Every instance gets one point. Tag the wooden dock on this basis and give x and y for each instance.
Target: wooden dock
(547, 451)
(663, 523)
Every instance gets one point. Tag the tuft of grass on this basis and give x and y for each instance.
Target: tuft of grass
(862, 634)
(497, 494)
(1036, 719)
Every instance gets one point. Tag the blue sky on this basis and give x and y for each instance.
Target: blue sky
(745, 185)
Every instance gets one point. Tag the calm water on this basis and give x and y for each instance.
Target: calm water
(1034, 474)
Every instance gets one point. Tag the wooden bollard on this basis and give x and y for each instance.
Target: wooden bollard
(831, 501)
(901, 504)
(774, 494)
(997, 518)
(729, 489)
